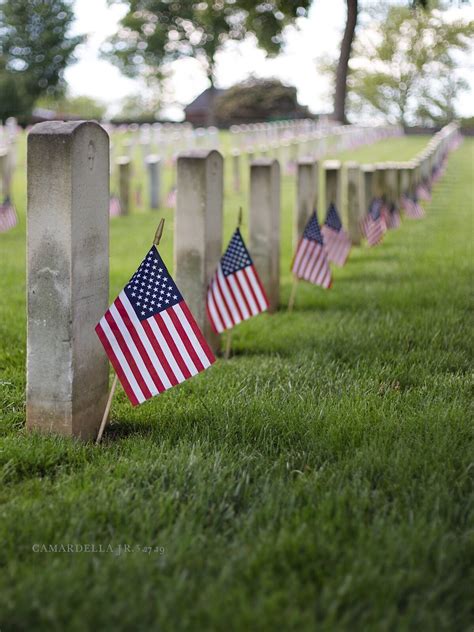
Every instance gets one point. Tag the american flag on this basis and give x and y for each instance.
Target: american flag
(412, 208)
(8, 216)
(171, 198)
(235, 292)
(149, 334)
(336, 240)
(391, 215)
(138, 196)
(310, 262)
(373, 224)
(115, 208)
(423, 192)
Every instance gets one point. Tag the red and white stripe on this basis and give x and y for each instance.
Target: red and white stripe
(152, 355)
(412, 209)
(337, 244)
(394, 219)
(115, 208)
(8, 217)
(234, 298)
(423, 193)
(171, 198)
(373, 229)
(311, 263)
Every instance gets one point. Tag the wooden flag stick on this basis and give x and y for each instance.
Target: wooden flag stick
(159, 232)
(107, 409)
(291, 302)
(228, 342)
(156, 241)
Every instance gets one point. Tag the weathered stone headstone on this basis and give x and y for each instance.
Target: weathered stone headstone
(332, 185)
(354, 210)
(391, 183)
(198, 230)
(68, 277)
(306, 195)
(123, 163)
(153, 164)
(366, 189)
(264, 225)
(236, 183)
(379, 185)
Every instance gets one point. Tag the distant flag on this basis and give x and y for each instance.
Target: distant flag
(394, 216)
(138, 196)
(373, 224)
(423, 192)
(412, 208)
(149, 334)
(114, 206)
(336, 240)
(171, 197)
(390, 214)
(235, 292)
(310, 262)
(8, 216)
(290, 167)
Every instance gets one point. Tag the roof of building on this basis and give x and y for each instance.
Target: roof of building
(204, 100)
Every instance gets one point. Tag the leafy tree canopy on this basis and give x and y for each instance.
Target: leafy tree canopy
(81, 106)
(405, 66)
(155, 32)
(35, 48)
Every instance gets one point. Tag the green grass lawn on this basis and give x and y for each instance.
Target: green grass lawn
(320, 479)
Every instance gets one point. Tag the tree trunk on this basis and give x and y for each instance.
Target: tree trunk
(343, 64)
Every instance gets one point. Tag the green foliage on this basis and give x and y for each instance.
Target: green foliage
(80, 106)
(404, 66)
(155, 32)
(257, 100)
(137, 107)
(319, 480)
(35, 48)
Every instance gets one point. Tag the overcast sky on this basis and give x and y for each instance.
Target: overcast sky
(318, 35)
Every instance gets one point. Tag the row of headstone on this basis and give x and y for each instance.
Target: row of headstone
(68, 250)
(299, 139)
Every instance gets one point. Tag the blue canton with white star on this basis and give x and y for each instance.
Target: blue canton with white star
(312, 231)
(151, 289)
(236, 257)
(332, 218)
(375, 208)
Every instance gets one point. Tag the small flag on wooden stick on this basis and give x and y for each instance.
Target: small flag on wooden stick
(373, 225)
(310, 262)
(150, 335)
(114, 206)
(336, 240)
(235, 292)
(412, 207)
(8, 216)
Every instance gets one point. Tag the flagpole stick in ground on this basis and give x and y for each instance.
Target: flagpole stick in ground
(156, 241)
(107, 410)
(291, 302)
(228, 342)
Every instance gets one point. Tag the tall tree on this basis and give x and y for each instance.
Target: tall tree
(154, 32)
(340, 91)
(405, 66)
(35, 48)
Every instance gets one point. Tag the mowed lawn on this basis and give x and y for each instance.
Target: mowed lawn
(321, 479)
